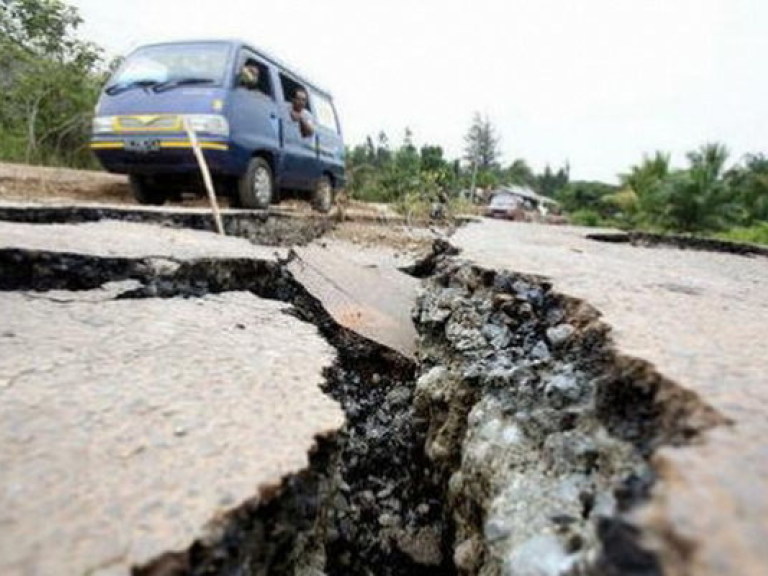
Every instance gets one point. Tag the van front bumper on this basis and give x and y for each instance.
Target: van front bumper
(166, 156)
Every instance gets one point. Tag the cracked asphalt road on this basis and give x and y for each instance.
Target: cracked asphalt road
(111, 238)
(127, 425)
(702, 319)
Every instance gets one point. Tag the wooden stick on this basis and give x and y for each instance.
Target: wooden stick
(206, 176)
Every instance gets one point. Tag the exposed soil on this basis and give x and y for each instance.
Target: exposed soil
(404, 239)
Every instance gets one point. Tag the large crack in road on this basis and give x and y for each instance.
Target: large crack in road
(520, 441)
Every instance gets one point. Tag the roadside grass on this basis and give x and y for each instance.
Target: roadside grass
(755, 234)
(13, 150)
(417, 210)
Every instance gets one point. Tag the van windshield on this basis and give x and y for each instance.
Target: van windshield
(171, 65)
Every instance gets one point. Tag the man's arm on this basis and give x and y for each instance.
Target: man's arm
(306, 125)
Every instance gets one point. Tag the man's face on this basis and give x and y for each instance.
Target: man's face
(300, 100)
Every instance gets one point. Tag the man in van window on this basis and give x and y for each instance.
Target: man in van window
(300, 114)
(249, 75)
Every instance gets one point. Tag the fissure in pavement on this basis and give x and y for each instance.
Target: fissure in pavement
(516, 444)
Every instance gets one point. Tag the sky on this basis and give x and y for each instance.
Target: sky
(595, 83)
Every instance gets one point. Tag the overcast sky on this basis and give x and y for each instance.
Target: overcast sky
(593, 82)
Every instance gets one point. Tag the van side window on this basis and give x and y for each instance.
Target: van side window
(290, 86)
(324, 112)
(245, 77)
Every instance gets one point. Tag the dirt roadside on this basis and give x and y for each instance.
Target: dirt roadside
(22, 183)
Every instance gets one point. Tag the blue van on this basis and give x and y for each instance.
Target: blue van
(263, 128)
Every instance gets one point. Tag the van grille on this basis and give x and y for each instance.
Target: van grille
(148, 123)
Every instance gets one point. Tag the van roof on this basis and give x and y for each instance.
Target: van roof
(259, 52)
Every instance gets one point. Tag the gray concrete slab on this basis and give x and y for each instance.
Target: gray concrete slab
(362, 288)
(127, 425)
(110, 238)
(702, 319)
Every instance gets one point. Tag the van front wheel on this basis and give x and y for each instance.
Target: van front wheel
(256, 187)
(322, 198)
(146, 192)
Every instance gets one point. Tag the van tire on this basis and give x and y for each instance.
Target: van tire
(146, 192)
(322, 197)
(256, 187)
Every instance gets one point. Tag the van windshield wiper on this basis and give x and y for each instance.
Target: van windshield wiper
(171, 84)
(115, 89)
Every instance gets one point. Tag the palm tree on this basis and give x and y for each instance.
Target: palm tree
(647, 181)
(700, 198)
(750, 185)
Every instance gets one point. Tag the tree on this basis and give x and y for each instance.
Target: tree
(407, 160)
(520, 174)
(699, 198)
(370, 150)
(432, 158)
(383, 153)
(750, 185)
(647, 181)
(481, 144)
(51, 82)
(549, 182)
(584, 195)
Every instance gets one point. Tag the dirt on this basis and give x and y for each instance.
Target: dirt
(49, 195)
(63, 186)
(403, 239)
(19, 182)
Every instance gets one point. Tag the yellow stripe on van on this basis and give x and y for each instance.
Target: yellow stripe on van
(168, 144)
(188, 144)
(106, 145)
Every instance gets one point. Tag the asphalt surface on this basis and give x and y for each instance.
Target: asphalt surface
(701, 318)
(111, 238)
(128, 425)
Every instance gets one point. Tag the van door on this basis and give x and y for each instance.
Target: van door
(253, 111)
(330, 146)
(301, 167)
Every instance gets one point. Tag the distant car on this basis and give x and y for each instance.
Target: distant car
(506, 206)
(253, 146)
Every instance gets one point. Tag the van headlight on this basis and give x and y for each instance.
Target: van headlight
(103, 124)
(209, 123)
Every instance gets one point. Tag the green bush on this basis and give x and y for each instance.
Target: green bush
(586, 217)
